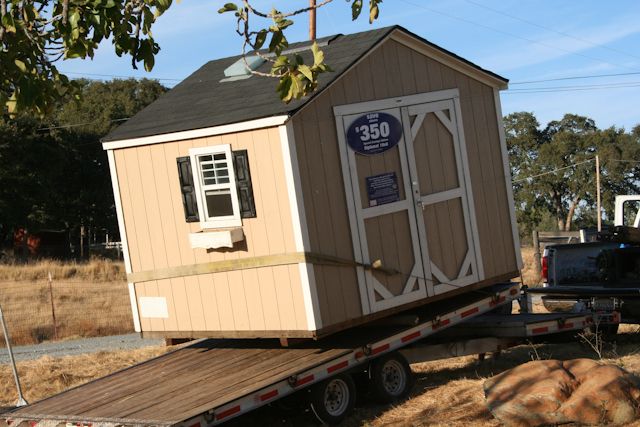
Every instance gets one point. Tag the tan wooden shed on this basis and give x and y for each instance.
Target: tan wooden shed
(242, 216)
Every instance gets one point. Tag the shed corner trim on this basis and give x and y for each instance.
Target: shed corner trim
(300, 225)
(265, 122)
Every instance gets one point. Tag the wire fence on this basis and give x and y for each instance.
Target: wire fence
(49, 309)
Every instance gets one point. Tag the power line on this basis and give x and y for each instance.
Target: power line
(524, 92)
(554, 171)
(575, 78)
(468, 21)
(80, 124)
(562, 33)
(573, 166)
(589, 86)
(579, 86)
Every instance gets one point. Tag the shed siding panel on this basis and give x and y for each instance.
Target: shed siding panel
(268, 298)
(390, 70)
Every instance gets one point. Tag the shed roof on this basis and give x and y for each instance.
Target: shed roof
(203, 101)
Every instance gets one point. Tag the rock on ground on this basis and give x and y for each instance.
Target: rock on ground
(546, 392)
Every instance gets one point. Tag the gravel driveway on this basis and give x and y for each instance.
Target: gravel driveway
(79, 346)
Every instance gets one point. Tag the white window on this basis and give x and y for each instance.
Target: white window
(215, 185)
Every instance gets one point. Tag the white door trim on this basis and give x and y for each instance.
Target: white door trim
(435, 102)
(353, 222)
(401, 101)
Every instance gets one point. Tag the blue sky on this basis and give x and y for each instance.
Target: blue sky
(521, 40)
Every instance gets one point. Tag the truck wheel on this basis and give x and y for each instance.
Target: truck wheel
(333, 399)
(391, 378)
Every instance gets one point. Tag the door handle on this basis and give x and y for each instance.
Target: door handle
(420, 204)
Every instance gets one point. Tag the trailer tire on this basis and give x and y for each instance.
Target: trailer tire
(391, 378)
(333, 399)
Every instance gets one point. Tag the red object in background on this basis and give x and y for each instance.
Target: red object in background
(51, 243)
(545, 269)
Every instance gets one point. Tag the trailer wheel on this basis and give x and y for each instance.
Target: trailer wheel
(391, 378)
(333, 399)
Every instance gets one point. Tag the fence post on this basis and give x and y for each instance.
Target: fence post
(536, 254)
(53, 310)
(21, 400)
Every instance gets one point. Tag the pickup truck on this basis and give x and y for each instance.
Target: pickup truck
(599, 272)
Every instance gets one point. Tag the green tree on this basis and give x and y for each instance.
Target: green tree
(53, 171)
(35, 34)
(554, 173)
(296, 79)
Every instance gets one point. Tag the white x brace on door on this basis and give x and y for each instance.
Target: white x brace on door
(408, 190)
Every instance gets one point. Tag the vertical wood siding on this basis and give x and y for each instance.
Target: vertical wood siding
(268, 298)
(396, 70)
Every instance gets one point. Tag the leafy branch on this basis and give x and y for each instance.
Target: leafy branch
(296, 78)
(35, 34)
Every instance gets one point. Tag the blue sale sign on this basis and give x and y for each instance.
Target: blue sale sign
(374, 133)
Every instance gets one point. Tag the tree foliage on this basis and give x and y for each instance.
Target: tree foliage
(35, 34)
(54, 173)
(553, 169)
(296, 79)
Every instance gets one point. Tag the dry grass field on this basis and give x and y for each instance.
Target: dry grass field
(88, 299)
(99, 270)
(529, 275)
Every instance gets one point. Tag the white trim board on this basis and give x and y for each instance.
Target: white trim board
(507, 179)
(123, 238)
(197, 133)
(300, 227)
(396, 102)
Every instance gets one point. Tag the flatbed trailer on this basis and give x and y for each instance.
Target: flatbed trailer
(209, 382)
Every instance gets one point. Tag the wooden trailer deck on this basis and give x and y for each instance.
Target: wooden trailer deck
(181, 384)
(220, 379)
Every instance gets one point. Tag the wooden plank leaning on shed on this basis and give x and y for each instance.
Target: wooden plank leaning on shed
(248, 263)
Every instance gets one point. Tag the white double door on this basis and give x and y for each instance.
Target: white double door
(411, 204)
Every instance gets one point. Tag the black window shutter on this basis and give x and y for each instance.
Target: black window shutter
(243, 183)
(189, 200)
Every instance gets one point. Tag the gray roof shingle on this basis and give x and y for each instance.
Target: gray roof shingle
(202, 100)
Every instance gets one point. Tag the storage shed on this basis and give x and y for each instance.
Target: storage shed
(388, 188)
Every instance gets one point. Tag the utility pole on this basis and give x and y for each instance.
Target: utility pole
(312, 20)
(598, 193)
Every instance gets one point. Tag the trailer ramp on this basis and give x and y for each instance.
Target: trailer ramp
(211, 381)
(179, 385)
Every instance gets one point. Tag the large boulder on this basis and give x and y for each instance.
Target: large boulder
(547, 392)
